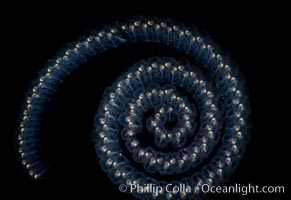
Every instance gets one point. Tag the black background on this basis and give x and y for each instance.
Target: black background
(36, 34)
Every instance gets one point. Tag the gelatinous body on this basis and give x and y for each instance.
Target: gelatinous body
(205, 111)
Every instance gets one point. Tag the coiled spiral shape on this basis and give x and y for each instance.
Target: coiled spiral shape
(189, 112)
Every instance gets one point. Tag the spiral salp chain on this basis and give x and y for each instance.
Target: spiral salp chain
(207, 110)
